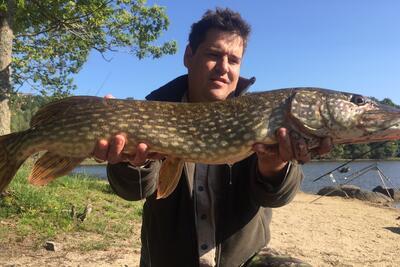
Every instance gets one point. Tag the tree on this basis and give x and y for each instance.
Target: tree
(43, 42)
(356, 151)
(336, 152)
(384, 150)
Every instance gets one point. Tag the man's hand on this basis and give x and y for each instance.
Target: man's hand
(272, 160)
(112, 151)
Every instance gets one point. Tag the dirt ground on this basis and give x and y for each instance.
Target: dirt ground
(330, 232)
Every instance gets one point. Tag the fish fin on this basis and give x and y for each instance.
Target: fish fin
(170, 172)
(52, 111)
(51, 166)
(13, 154)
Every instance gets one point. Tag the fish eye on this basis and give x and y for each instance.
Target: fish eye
(358, 100)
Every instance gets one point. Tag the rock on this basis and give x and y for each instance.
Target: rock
(353, 191)
(5, 194)
(340, 191)
(331, 191)
(52, 246)
(390, 192)
(374, 197)
(344, 169)
(82, 216)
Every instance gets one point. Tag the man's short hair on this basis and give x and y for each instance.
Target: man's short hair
(220, 19)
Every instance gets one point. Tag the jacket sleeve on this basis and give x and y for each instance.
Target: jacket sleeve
(133, 183)
(268, 195)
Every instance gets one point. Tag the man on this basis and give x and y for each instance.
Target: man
(218, 215)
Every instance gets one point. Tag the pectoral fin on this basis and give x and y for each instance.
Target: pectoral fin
(170, 172)
(51, 166)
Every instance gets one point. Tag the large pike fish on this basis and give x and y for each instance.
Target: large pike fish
(213, 133)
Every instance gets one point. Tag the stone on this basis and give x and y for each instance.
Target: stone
(353, 191)
(390, 192)
(52, 246)
(340, 191)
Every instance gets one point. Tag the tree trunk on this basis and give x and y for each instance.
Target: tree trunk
(6, 41)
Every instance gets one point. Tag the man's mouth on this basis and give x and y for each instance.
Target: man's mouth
(220, 80)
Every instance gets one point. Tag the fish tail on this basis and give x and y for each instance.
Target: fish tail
(12, 155)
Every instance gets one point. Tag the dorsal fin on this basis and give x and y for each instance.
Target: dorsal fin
(52, 110)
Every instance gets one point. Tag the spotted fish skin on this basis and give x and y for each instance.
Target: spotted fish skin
(213, 133)
(200, 132)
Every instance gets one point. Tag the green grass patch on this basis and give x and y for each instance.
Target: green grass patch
(43, 213)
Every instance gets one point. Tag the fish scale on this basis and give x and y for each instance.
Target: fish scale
(212, 133)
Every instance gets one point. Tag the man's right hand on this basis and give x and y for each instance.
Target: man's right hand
(112, 151)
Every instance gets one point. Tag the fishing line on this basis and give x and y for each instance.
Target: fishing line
(358, 156)
(350, 161)
(140, 183)
(384, 184)
(357, 175)
(103, 83)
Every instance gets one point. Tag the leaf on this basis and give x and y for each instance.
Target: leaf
(54, 38)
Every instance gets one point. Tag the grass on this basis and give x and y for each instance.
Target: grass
(43, 213)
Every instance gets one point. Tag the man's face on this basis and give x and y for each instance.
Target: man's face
(214, 68)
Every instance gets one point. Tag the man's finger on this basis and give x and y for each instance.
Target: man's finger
(141, 155)
(117, 144)
(100, 150)
(263, 150)
(304, 158)
(285, 146)
(325, 146)
(109, 96)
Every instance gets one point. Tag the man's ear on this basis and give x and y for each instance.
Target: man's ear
(187, 58)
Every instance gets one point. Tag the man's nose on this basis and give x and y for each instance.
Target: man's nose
(223, 65)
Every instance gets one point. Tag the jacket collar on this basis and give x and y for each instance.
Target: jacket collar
(174, 90)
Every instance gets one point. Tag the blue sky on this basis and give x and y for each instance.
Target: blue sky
(343, 45)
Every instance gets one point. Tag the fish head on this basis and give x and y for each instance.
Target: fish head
(345, 117)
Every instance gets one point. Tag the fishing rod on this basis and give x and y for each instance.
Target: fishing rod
(350, 161)
(357, 175)
(359, 156)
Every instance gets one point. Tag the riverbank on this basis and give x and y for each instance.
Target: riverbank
(334, 231)
(330, 232)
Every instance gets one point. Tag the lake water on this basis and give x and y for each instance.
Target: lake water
(312, 170)
(368, 180)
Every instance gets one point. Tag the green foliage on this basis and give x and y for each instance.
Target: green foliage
(53, 38)
(384, 150)
(45, 212)
(23, 107)
(359, 151)
(337, 152)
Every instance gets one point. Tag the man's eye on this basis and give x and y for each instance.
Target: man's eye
(212, 55)
(234, 61)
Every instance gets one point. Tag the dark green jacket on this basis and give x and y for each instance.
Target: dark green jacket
(243, 211)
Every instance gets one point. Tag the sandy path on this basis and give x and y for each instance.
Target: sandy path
(338, 232)
(331, 232)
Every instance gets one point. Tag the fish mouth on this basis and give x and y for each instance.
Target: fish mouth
(369, 139)
(380, 124)
(378, 127)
